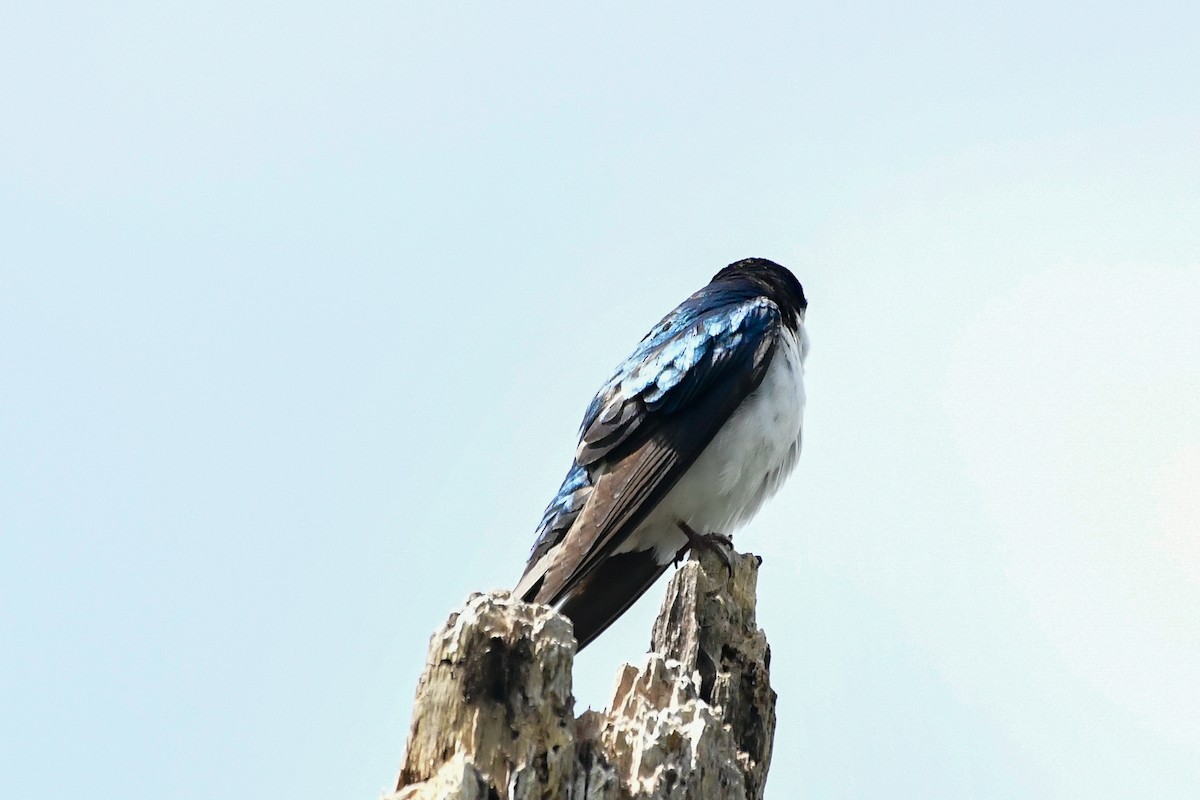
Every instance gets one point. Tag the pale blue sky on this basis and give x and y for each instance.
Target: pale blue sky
(300, 307)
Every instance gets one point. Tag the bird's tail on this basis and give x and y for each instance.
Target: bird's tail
(608, 590)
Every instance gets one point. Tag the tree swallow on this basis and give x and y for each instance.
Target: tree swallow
(687, 439)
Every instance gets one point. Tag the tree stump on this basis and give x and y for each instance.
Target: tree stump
(494, 714)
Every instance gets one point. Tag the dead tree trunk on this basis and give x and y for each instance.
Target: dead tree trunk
(494, 715)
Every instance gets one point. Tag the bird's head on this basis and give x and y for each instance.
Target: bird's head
(775, 281)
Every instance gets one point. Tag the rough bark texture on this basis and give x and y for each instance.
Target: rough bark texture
(494, 715)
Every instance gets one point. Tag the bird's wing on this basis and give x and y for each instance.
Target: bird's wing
(647, 425)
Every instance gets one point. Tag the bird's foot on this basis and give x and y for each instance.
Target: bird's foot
(716, 543)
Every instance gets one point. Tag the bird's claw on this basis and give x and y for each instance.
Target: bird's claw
(716, 543)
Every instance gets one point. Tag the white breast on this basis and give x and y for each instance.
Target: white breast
(744, 464)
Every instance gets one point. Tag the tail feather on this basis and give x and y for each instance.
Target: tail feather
(608, 590)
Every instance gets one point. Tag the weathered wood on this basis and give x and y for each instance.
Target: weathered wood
(494, 719)
(707, 623)
(496, 690)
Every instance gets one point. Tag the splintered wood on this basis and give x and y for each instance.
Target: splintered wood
(494, 715)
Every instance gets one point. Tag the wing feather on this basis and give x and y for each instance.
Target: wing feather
(646, 427)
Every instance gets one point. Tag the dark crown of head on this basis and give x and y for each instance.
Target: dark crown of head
(777, 283)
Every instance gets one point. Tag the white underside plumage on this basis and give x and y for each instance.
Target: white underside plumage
(742, 467)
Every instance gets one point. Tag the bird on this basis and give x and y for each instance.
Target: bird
(687, 439)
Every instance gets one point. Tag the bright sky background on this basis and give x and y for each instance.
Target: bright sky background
(300, 307)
